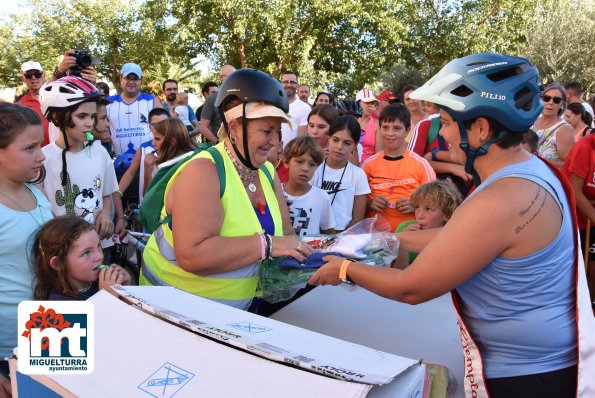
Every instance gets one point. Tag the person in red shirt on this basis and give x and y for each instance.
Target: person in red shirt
(579, 167)
(33, 77)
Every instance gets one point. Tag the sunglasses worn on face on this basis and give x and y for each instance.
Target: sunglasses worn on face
(548, 98)
(29, 75)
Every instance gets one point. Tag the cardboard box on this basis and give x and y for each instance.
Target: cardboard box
(208, 349)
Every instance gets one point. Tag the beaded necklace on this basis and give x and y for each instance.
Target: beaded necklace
(246, 175)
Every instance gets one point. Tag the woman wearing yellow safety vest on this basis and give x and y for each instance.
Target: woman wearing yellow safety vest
(225, 220)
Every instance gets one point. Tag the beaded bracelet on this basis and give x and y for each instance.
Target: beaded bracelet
(57, 74)
(269, 250)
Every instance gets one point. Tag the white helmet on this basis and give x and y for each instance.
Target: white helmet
(66, 92)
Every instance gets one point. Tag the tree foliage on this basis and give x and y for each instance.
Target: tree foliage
(441, 30)
(114, 31)
(311, 37)
(334, 45)
(400, 77)
(560, 40)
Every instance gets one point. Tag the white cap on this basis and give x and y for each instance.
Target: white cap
(365, 95)
(256, 110)
(30, 65)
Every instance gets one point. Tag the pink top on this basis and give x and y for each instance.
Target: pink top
(368, 140)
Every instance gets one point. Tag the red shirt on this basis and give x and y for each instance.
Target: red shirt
(282, 172)
(32, 103)
(581, 162)
(419, 139)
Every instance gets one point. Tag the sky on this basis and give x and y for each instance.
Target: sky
(8, 6)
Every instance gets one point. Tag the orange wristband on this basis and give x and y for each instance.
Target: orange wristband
(343, 271)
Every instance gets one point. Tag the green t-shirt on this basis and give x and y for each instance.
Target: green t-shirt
(401, 228)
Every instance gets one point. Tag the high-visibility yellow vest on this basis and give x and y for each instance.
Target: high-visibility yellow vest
(236, 288)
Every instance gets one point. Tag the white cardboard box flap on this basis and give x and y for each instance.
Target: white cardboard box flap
(139, 355)
(268, 338)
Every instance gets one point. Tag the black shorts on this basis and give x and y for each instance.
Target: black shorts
(557, 384)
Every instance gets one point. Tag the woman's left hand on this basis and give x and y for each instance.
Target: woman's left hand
(328, 274)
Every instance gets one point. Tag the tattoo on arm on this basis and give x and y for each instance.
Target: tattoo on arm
(519, 228)
(525, 211)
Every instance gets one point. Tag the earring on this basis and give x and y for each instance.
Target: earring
(232, 139)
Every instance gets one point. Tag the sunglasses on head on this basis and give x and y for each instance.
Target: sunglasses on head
(29, 75)
(548, 98)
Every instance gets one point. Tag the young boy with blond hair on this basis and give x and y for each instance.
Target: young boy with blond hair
(433, 204)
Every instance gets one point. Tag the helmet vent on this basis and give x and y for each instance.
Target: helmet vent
(504, 74)
(66, 90)
(477, 63)
(462, 91)
(280, 93)
(523, 99)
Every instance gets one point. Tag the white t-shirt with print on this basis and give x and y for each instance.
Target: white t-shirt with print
(310, 212)
(91, 176)
(298, 112)
(130, 122)
(341, 185)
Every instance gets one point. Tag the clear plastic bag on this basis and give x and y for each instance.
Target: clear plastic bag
(367, 242)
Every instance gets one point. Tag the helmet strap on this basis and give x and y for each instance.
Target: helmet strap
(245, 160)
(472, 153)
(63, 176)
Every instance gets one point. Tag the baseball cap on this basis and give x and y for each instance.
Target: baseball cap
(365, 95)
(131, 68)
(256, 110)
(30, 65)
(386, 95)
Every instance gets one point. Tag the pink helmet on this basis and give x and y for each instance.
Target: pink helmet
(66, 92)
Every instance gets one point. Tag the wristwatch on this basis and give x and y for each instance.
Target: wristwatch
(434, 152)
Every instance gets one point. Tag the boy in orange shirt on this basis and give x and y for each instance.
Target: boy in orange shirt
(395, 172)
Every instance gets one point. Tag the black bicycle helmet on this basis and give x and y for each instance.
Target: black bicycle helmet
(350, 107)
(250, 85)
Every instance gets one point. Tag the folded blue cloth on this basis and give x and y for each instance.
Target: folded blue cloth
(313, 261)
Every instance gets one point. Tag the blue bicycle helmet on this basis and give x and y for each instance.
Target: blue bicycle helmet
(504, 88)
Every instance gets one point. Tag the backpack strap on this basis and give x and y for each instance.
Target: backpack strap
(220, 165)
(218, 159)
(267, 173)
(433, 131)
